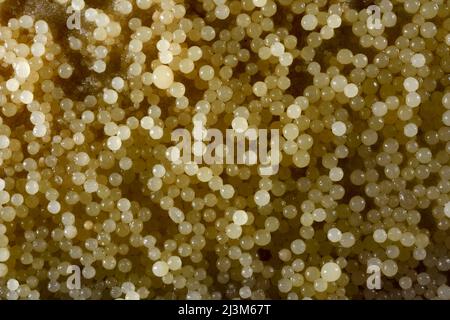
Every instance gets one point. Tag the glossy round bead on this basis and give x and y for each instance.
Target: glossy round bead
(160, 268)
(330, 272)
(339, 128)
(163, 77)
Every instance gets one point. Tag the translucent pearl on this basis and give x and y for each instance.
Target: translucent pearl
(233, 231)
(411, 84)
(26, 97)
(12, 284)
(447, 209)
(22, 68)
(336, 174)
(163, 77)
(413, 99)
(31, 187)
(99, 66)
(339, 128)
(259, 3)
(12, 85)
(334, 235)
(41, 27)
(309, 22)
(379, 109)
(351, 90)
(260, 89)
(380, 236)
(330, 272)
(160, 268)
(37, 49)
(294, 111)
(418, 60)
(334, 21)
(4, 142)
(78, 4)
(389, 268)
(410, 130)
(240, 217)
(4, 254)
(54, 207)
(206, 73)
(298, 246)
(65, 71)
(110, 96)
(114, 143)
(262, 198)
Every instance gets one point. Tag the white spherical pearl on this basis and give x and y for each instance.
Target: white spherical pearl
(319, 215)
(78, 5)
(240, 217)
(447, 209)
(163, 77)
(298, 246)
(379, 109)
(163, 45)
(336, 174)
(259, 3)
(131, 295)
(222, 12)
(413, 99)
(418, 60)
(294, 111)
(22, 68)
(12, 85)
(12, 284)
(334, 235)
(41, 26)
(351, 90)
(262, 198)
(110, 96)
(26, 97)
(31, 187)
(54, 207)
(37, 49)
(239, 124)
(39, 130)
(147, 122)
(309, 22)
(65, 70)
(334, 21)
(117, 83)
(330, 272)
(99, 66)
(233, 231)
(379, 236)
(410, 130)
(411, 84)
(339, 128)
(446, 118)
(114, 143)
(447, 39)
(160, 269)
(4, 254)
(4, 141)
(165, 57)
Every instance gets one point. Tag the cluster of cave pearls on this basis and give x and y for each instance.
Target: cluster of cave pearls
(90, 92)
